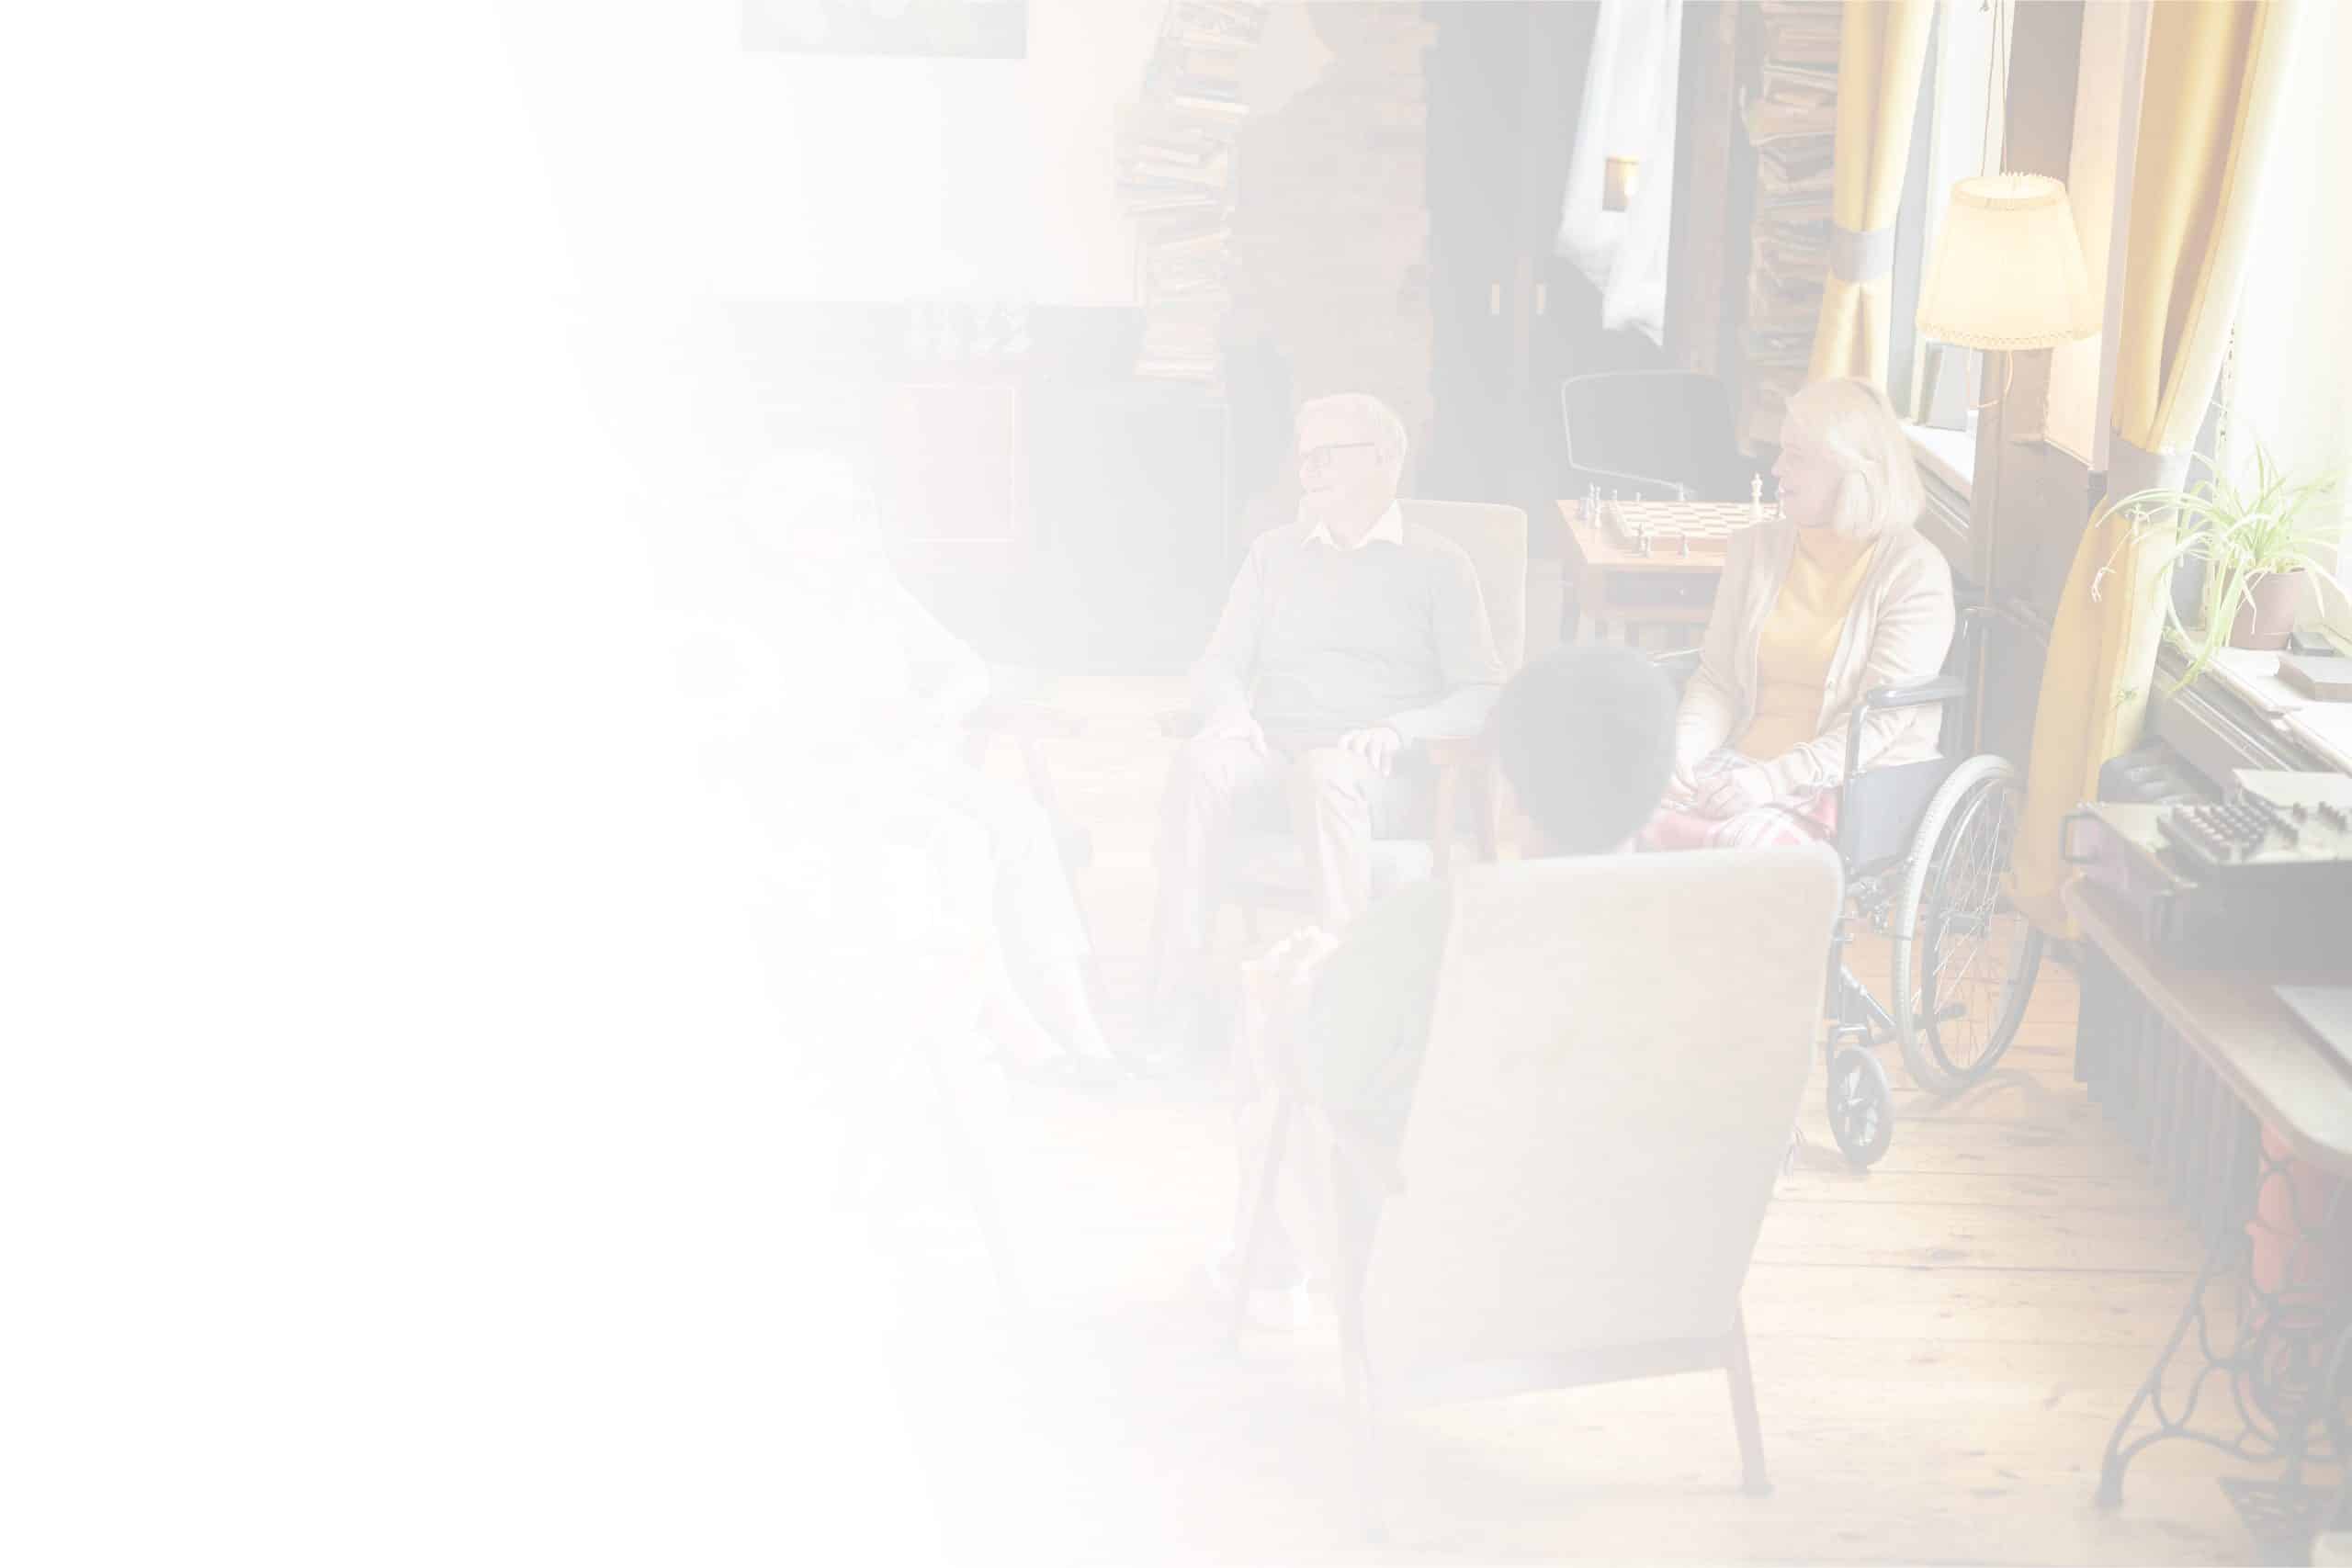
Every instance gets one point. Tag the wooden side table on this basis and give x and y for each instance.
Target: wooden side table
(1614, 587)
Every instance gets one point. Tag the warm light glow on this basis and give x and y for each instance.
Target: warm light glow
(1620, 178)
(2007, 272)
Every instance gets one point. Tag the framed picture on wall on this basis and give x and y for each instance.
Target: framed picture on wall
(969, 29)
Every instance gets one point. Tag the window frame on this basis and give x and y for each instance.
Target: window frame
(1911, 237)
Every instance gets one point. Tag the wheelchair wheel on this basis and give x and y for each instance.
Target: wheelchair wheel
(1964, 958)
(1862, 1107)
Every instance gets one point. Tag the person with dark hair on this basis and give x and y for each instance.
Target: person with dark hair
(1586, 738)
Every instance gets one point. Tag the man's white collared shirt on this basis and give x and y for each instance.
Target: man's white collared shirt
(1390, 529)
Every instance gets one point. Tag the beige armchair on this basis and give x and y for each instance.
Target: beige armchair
(1617, 1048)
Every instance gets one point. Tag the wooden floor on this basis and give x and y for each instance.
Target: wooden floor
(1941, 1345)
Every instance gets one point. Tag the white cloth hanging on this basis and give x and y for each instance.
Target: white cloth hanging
(1630, 84)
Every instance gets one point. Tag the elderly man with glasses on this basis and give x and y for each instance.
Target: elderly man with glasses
(1350, 636)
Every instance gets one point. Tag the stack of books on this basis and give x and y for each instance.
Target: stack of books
(1802, 33)
(1791, 117)
(1176, 180)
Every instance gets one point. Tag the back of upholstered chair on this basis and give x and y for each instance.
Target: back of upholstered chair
(1617, 1054)
(1494, 538)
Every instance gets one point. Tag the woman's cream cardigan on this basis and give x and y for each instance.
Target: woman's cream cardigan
(1899, 629)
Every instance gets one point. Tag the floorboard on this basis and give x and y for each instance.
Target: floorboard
(1940, 1344)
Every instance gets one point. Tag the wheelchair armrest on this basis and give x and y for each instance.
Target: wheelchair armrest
(1915, 694)
(1910, 694)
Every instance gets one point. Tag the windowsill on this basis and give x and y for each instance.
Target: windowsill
(1949, 456)
(2238, 714)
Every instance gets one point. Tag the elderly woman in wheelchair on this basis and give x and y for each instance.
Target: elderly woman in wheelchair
(1818, 709)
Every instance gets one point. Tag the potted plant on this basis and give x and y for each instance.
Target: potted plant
(2260, 542)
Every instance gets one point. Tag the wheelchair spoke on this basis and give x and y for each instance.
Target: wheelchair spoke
(1981, 952)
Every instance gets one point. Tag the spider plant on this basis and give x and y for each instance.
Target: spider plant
(2240, 532)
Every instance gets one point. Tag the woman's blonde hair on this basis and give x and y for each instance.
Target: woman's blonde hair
(1855, 427)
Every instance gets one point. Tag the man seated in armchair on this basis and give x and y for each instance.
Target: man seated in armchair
(1350, 638)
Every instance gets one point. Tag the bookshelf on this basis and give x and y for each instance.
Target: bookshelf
(1788, 105)
(1176, 181)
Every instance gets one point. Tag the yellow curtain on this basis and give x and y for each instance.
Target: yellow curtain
(1882, 50)
(2208, 112)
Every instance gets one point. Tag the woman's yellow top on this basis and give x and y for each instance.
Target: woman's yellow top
(1799, 639)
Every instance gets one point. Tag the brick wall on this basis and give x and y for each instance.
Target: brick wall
(1331, 241)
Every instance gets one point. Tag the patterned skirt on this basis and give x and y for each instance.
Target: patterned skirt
(1807, 819)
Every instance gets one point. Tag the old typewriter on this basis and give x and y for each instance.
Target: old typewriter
(2261, 879)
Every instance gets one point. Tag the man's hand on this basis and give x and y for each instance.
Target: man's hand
(1741, 787)
(1220, 732)
(1276, 985)
(1290, 964)
(1377, 747)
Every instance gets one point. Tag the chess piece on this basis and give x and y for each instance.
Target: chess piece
(1643, 538)
(1756, 498)
(1684, 540)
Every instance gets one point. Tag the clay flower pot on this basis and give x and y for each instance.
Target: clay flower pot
(2266, 614)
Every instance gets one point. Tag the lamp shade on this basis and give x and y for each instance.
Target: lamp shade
(2007, 272)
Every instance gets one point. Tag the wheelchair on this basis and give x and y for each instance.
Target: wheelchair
(1926, 849)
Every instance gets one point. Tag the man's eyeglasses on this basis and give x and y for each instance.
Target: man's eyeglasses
(1316, 457)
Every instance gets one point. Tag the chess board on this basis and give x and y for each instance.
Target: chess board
(1681, 527)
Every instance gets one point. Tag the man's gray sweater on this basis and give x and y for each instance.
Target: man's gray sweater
(1316, 641)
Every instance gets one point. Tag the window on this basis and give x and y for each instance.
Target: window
(2107, 107)
(1961, 80)
(2286, 384)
